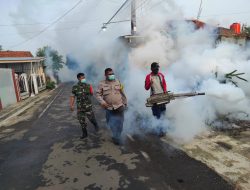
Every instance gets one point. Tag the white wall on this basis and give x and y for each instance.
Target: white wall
(7, 89)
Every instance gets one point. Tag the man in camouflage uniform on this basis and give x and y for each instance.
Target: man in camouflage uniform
(83, 91)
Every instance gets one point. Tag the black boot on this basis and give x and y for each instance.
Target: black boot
(84, 133)
(116, 141)
(97, 128)
(162, 134)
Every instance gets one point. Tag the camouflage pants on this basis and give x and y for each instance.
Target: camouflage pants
(81, 115)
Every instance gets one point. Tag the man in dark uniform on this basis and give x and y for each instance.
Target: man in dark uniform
(83, 92)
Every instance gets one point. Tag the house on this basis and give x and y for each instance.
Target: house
(233, 34)
(229, 35)
(27, 69)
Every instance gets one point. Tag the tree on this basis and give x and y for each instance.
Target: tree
(1, 48)
(53, 61)
(246, 29)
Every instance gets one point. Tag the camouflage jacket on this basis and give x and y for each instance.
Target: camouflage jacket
(83, 92)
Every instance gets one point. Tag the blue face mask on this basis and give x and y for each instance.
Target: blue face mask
(111, 77)
(83, 81)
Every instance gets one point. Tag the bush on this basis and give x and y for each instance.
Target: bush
(50, 85)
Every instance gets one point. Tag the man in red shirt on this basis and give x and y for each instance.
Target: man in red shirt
(155, 81)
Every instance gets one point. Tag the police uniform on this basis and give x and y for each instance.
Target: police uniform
(83, 93)
(111, 92)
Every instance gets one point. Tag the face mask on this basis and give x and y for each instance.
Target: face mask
(155, 70)
(83, 81)
(111, 77)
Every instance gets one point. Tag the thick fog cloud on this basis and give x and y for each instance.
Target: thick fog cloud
(189, 58)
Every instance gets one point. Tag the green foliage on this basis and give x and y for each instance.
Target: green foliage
(50, 85)
(51, 55)
(230, 77)
(246, 29)
(1, 48)
(234, 74)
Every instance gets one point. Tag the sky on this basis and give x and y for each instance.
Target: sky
(21, 21)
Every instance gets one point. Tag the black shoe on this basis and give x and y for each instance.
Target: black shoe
(116, 141)
(97, 128)
(84, 133)
(162, 134)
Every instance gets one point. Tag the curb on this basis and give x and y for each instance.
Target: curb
(6, 115)
(2, 123)
(22, 108)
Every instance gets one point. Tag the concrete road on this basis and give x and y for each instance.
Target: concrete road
(44, 152)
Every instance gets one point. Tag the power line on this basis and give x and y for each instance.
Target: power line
(93, 28)
(126, 7)
(144, 2)
(112, 1)
(141, 4)
(92, 10)
(117, 12)
(35, 32)
(57, 20)
(199, 11)
(235, 13)
(28, 24)
(45, 23)
(156, 4)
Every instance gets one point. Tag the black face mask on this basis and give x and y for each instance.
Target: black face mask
(155, 70)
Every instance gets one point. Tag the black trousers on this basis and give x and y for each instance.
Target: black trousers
(158, 110)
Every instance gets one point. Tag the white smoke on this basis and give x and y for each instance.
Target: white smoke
(189, 59)
(49, 65)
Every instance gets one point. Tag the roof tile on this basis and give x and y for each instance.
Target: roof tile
(15, 54)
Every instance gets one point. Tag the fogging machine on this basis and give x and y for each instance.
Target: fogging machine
(165, 98)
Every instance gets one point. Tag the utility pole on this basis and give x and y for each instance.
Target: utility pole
(133, 17)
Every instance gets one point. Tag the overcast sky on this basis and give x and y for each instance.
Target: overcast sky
(35, 15)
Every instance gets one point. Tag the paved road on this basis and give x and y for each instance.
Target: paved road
(45, 152)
